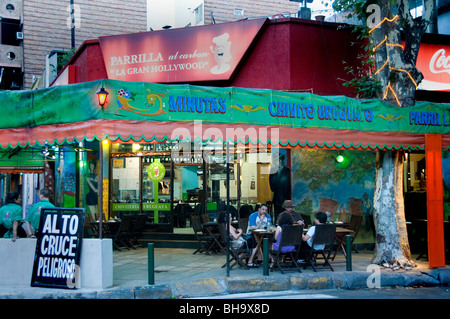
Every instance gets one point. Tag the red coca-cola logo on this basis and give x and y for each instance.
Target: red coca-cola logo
(439, 62)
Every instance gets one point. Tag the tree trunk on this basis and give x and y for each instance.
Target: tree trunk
(395, 70)
(391, 245)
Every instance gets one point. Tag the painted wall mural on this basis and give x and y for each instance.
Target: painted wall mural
(341, 182)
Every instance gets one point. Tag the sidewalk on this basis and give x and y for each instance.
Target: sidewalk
(178, 273)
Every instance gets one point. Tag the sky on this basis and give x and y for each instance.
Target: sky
(181, 10)
(318, 8)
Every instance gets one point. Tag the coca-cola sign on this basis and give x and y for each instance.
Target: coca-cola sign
(440, 62)
(434, 62)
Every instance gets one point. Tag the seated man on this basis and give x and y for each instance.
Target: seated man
(321, 218)
(257, 220)
(288, 206)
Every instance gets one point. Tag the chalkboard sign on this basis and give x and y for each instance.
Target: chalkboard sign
(58, 248)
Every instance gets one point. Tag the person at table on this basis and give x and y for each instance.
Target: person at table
(236, 235)
(34, 216)
(258, 220)
(288, 206)
(284, 219)
(11, 215)
(321, 218)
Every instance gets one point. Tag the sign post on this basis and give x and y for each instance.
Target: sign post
(58, 248)
(156, 172)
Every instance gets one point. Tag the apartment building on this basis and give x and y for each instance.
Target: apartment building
(35, 32)
(11, 45)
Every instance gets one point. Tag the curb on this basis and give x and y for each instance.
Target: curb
(222, 287)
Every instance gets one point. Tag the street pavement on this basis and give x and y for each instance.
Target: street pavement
(180, 274)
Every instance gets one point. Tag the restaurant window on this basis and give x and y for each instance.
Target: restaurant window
(125, 185)
(133, 191)
(249, 170)
(187, 181)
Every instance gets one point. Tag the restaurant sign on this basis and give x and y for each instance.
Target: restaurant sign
(186, 103)
(49, 113)
(135, 206)
(207, 53)
(58, 248)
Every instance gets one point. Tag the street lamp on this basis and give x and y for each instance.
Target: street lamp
(102, 94)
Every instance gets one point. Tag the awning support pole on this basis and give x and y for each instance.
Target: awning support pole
(435, 200)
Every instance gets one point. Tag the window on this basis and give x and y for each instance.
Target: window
(8, 31)
(10, 8)
(238, 12)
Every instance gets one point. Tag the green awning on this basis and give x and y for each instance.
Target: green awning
(138, 111)
(22, 160)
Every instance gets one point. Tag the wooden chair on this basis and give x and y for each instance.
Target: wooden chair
(355, 224)
(204, 218)
(137, 229)
(89, 230)
(122, 236)
(324, 235)
(245, 211)
(238, 255)
(204, 241)
(243, 224)
(291, 235)
(181, 213)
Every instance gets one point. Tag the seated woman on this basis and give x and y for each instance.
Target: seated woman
(237, 240)
(238, 237)
(283, 219)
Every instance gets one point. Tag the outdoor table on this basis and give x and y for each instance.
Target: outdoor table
(340, 236)
(260, 234)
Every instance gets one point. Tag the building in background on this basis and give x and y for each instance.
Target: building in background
(11, 48)
(35, 33)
